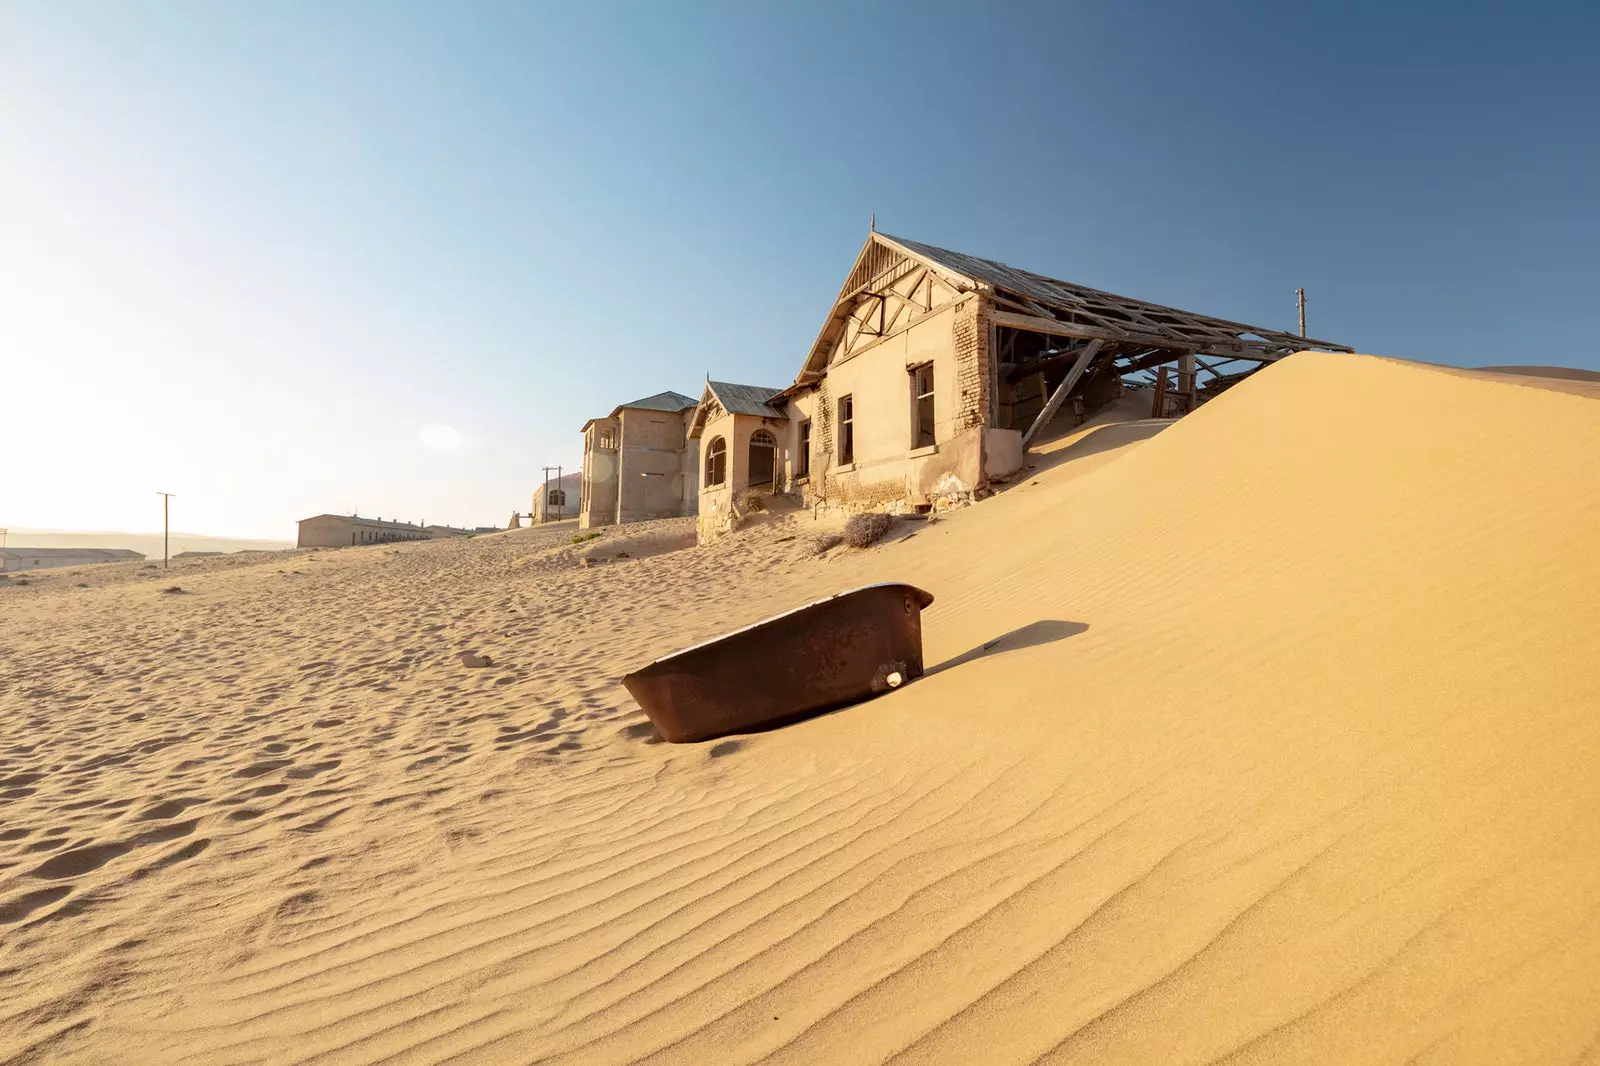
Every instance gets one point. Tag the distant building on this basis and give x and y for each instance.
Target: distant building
(557, 499)
(342, 531)
(15, 559)
(639, 463)
(445, 532)
(195, 555)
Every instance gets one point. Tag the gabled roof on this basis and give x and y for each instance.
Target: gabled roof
(745, 399)
(661, 401)
(1063, 308)
(669, 401)
(738, 400)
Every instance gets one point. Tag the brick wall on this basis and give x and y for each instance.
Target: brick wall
(971, 329)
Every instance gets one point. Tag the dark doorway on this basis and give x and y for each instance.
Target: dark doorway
(763, 453)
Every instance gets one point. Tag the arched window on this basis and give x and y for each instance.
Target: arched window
(558, 498)
(716, 462)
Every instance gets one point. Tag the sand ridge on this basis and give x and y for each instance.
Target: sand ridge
(1265, 735)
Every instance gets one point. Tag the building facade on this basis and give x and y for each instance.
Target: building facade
(744, 442)
(558, 499)
(344, 531)
(639, 463)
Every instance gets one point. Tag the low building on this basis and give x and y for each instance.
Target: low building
(557, 499)
(195, 555)
(13, 560)
(343, 531)
(638, 462)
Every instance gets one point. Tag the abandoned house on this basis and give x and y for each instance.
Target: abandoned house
(638, 462)
(738, 428)
(935, 371)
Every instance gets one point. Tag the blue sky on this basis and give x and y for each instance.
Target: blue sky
(250, 253)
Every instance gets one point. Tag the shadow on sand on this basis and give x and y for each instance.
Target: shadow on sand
(1044, 631)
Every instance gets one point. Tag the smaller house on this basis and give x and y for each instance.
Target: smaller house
(739, 430)
(14, 560)
(557, 499)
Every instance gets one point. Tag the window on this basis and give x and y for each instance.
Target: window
(802, 457)
(922, 406)
(716, 462)
(557, 498)
(847, 430)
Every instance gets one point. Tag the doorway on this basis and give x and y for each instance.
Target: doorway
(763, 460)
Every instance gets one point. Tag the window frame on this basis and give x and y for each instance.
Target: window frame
(716, 462)
(802, 452)
(846, 415)
(918, 397)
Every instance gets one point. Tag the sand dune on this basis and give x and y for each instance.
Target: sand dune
(1269, 737)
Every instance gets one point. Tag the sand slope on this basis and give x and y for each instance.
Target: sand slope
(1286, 752)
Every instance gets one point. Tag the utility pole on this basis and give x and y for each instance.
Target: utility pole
(166, 502)
(544, 508)
(1300, 300)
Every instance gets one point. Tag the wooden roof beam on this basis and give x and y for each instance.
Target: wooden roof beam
(1232, 349)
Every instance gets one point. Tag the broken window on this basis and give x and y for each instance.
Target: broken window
(557, 498)
(847, 430)
(716, 462)
(802, 457)
(922, 406)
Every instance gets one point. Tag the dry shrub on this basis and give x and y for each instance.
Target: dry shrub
(827, 542)
(865, 529)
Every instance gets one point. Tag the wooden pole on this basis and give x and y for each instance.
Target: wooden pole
(1060, 394)
(166, 501)
(1158, 406)
(1300, 302)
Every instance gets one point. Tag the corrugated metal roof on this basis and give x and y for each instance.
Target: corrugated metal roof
(661, 401)
(746, 399)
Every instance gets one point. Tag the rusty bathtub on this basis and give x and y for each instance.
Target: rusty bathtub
(815, 658)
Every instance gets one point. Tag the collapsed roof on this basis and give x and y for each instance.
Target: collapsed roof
(1137, 332)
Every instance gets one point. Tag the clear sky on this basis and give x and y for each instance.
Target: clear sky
(290, 258)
